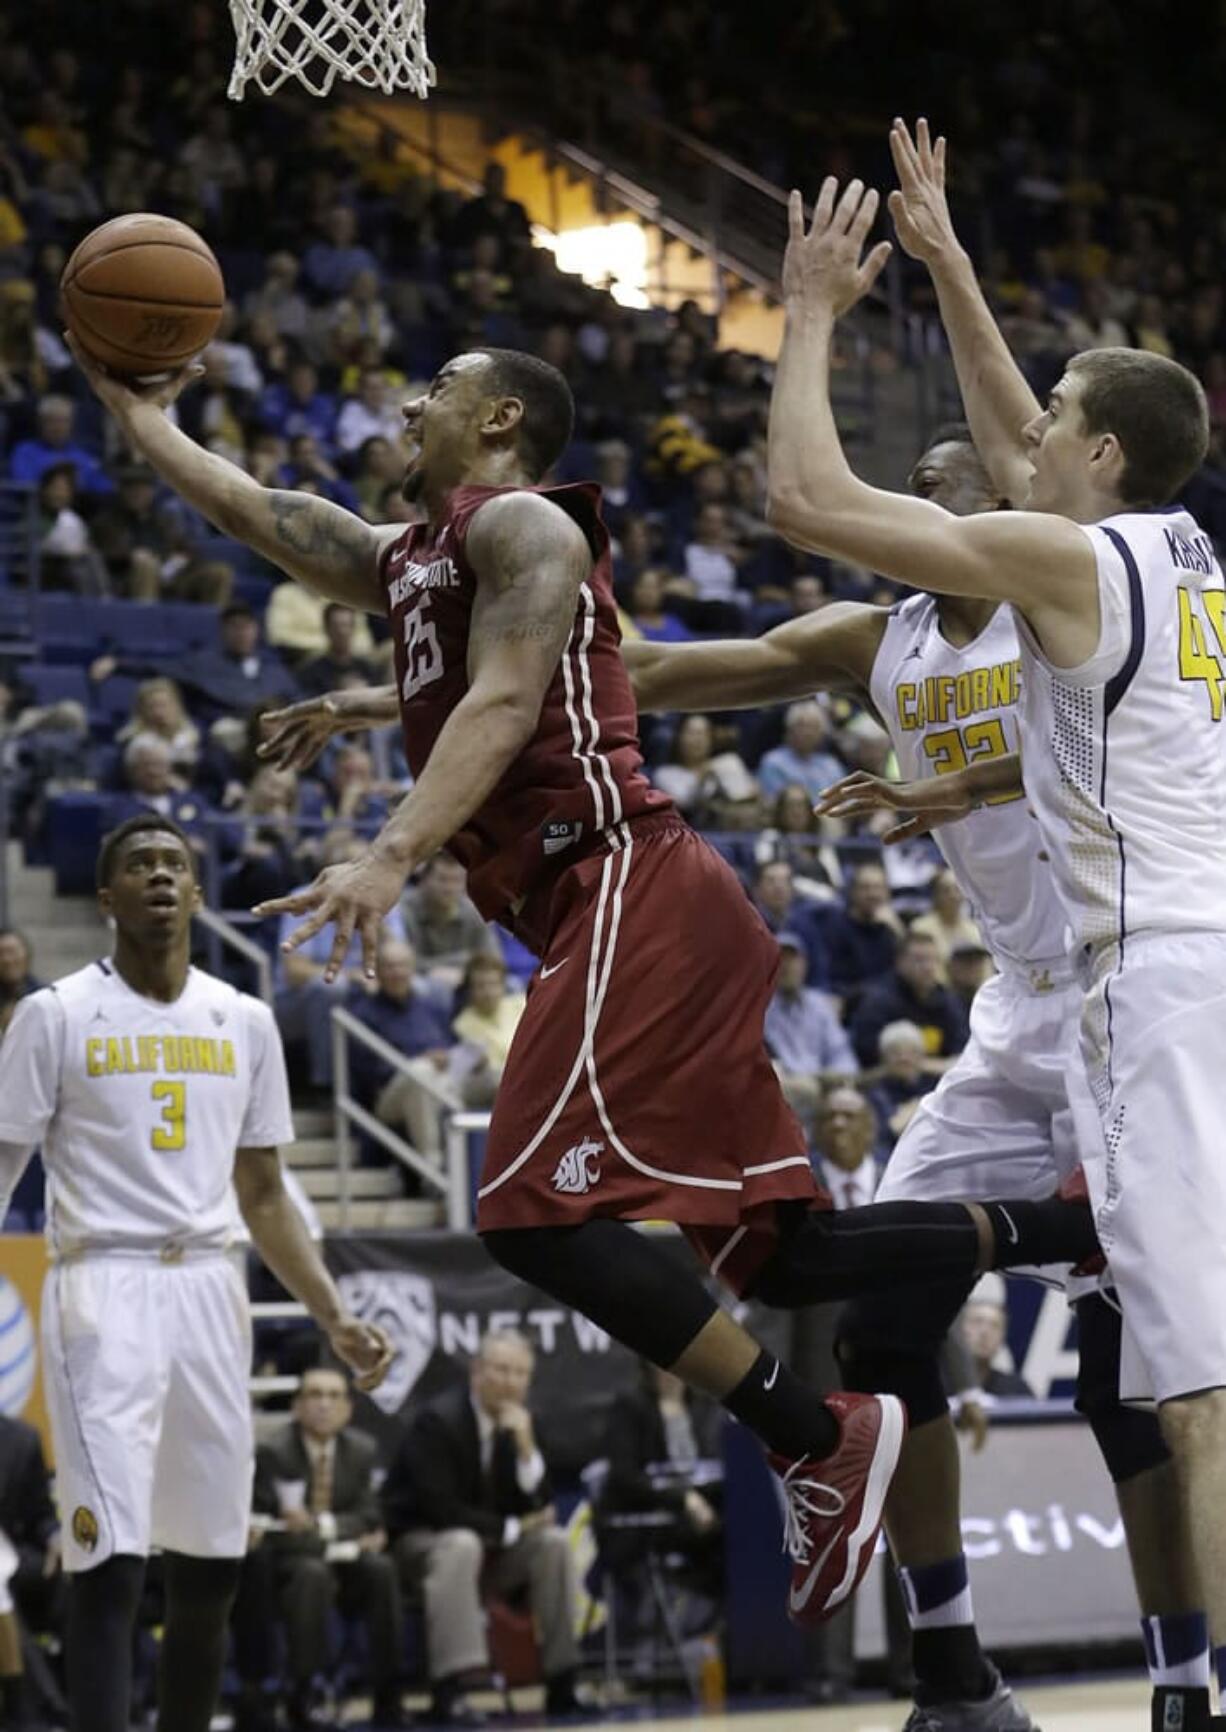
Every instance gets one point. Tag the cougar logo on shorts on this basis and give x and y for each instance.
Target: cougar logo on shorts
(573, 1175)
(85, 1528)
(404, 1305)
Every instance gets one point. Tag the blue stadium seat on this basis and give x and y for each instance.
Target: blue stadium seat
(114, 697)
(53, 685)
(75, 823)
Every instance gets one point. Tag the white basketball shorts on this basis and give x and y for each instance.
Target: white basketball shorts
(998, 1123)
(1148, 1090)
(146, 1366)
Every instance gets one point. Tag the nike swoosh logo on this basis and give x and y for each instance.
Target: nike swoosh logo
(553, 969)
(770, 1381)
(798, 1601)
(1008, 1220)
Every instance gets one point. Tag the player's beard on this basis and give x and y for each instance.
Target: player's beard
(413, 484)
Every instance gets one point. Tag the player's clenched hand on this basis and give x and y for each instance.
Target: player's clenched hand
(365, 1348)
(939, 800)
(919, 207)
(352, 897)
(296, 735)
(824, 268)
(121, 396)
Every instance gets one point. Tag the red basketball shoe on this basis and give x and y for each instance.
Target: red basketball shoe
(835, 1504)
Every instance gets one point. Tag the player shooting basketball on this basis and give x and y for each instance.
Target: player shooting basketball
(638, 1085)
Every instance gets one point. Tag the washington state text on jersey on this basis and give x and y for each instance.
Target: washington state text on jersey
(941, 697)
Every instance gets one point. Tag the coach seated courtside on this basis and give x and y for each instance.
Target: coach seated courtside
(467, 1502)
(317, 1477)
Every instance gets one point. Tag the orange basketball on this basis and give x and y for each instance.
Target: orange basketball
(142, 294)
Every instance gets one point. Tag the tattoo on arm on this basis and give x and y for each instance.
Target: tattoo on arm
(531, 565)
(306, 526)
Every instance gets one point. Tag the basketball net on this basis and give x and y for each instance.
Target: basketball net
(378, 43)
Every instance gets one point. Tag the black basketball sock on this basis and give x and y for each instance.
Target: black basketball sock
(787, 1415)
(1179, 1706)
(199, 1594)
(13, 1703)
(102, 1605)
(1053, 1231)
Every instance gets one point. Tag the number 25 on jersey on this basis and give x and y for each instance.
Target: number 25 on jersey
(1196, 660)
(423, 656)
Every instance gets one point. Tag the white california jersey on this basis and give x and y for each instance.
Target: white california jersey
(946, 708)
(140, 1106)
(1125, 756)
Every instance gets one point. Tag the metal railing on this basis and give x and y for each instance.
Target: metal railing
(224, 935)
(448, 1180)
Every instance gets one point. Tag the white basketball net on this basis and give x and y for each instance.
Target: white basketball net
(378, 43)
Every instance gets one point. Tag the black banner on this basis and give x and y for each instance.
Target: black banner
(437, 1294)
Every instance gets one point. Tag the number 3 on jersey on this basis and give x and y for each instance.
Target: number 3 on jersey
(1196, 660)
(423, 657)
(171, 1134)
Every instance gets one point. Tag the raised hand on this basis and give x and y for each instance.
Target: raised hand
(296, 735)
(121, 396)
(919, 207)
(824, 268)
(935, 800)
(353, 897)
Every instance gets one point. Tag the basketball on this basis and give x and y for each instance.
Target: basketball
(142, 294)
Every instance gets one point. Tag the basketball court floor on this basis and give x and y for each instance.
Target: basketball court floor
(1119, 1705)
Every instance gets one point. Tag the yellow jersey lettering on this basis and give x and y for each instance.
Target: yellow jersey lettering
(904, 698)
(95, 1060)
(980, 685)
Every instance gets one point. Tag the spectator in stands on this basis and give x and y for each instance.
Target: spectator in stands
(241, 675)
(468, 1499)
(213, 159)
(263, 842)
(406, 1012)
(983, 1327)
(137, 537)
(784, 910)
(808, 594)
(846, 1136)
(277, 297)
(360, 316)
(296, 621)
(712, 558)
(493, 213)
(902, 1078)
(622, 493)
(319, 1476)
(330, 265)
(29, 1522)
(949, 924)
(339, 661)
(969, 966)
(912, 992)
(442, 925)
(380, 465)
(306, 463)
(299, 406)
(152, 786)
(304, 999)
(53, 445)
(69, 559)
(485, 1028)
(663, 1425)
(158, 713)
(371, 414)
(16, 980)
(803, 1034)
(714, 789)
(794, 834)
(354, 795)
(862, 937)
(803, 758)
(647, 605)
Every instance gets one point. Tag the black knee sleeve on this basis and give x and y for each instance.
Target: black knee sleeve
(623, 1281)
(102, 1606)
(1129, 1438)
(825, 1255)
(891, 1343)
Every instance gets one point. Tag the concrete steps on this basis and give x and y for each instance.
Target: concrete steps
(407, 1214)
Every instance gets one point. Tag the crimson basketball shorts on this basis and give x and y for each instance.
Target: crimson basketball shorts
(638, 1085)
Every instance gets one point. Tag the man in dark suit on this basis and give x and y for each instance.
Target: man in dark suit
(467, 1492)
(317, 1477)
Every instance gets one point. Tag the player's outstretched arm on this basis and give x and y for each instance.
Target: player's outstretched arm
(280, 1236)
(928, 802)
(529, 559)
(1045, 564)
(997, 399)
(328, 549)
(831, 650)
(296, 735)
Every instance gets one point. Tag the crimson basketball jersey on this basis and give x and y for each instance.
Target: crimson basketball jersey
(580, 777)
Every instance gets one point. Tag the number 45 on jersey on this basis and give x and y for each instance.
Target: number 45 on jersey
(1196, 660)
